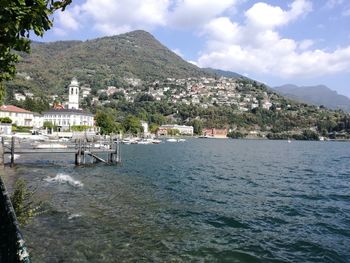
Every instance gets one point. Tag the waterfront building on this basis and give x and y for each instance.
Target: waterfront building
(183, 129)
(66, 118)
(38, 121)
(19, 116)
(215, 133)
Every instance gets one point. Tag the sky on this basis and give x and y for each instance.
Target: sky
(302, 42)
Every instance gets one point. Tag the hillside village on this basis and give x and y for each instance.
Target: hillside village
(215, 106)
(204, 92)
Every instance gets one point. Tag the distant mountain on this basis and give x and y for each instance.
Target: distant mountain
(224, 73)
(100, 62)
(317, 95)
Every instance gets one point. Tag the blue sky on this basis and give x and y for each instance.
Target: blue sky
(302, 42)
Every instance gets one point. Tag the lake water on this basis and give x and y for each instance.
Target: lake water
(198, 201)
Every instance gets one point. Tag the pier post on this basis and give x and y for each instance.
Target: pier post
(77, 159)
(84, 150)
(2, 152)
(78, 154)
(110, 155)
(12, 151)
(119, 153)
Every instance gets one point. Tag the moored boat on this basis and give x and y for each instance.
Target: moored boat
(50, 146)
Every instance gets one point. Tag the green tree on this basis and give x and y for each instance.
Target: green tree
(153, 128)
(197, 126)
(106, 121)
(173, 132)
(80, 128)
(132, 125)
(5, 120)
(24, 203)
(17, 19)
(48, 125)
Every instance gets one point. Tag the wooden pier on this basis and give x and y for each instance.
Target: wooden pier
(85, 152)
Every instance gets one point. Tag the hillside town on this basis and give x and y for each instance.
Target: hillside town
(204, 92)
(66, 117)
(250, 110)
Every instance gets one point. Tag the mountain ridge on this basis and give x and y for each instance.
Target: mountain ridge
(315, 95)
(100, 62)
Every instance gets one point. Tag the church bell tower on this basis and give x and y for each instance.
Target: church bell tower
(73, 97)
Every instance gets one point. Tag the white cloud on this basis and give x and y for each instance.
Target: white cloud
(263, 15)
(118, 16)
(346, 12)
(306, 44)
(67, 21)
(178, 52)
(333, 3)
(59, 31)
(257, 46)
(193, 62)
(194, 13)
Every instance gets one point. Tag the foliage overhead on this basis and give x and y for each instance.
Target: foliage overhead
(17, 19)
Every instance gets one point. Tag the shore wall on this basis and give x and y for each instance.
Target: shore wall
(12, 248)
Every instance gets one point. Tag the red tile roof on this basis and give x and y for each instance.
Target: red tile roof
(12, 108)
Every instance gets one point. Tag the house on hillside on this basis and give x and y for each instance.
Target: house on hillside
(19, 96)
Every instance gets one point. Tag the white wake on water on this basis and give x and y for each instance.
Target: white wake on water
(64, 179)
(72, 216)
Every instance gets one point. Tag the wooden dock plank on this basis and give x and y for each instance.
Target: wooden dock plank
(38, 151)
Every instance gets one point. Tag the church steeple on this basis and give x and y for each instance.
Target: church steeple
(73, 97)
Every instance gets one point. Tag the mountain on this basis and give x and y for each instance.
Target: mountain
(99, 63)
(317, 95)
(224, 73)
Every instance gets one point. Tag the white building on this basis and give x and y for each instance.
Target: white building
(85, 91)
(38, 121)
(66, 118)
(19, 96)
(19, 116)
(73, 97)
(183, 129)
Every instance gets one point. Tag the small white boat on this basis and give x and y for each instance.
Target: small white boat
(155, 141)
(101, 146)
(144, 142)
(289, 141)
(50, 146)
(171, 140)
(181, 140)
